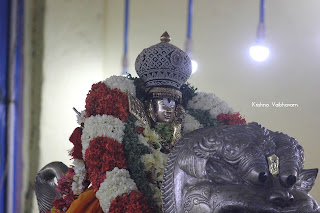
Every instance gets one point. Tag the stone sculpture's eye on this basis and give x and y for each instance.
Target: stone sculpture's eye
(263, 177)
(257, 176)
(288, 178)
(291, 180)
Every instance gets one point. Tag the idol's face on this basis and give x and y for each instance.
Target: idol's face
(164, 110)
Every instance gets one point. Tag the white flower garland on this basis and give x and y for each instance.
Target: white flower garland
(122, 83)
(223, 107)
(209, 102)
(80, 174)
(190, 124)
(117, 182)
(101, 125)
(204, 101)
(81, 117)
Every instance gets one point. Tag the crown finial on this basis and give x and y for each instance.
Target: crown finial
(164, 66)
(165, 37)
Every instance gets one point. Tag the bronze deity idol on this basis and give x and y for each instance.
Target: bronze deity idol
(163, 68)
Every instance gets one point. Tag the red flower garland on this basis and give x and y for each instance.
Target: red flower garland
(231, 119)
(102, 100)
(103, 154)
(65, 189)
(135, 202)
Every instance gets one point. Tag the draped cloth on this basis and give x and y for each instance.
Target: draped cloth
(86, 203)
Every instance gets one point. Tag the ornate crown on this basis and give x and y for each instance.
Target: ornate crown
(163, 66)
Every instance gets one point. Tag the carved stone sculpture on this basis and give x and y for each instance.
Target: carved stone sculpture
(240, 169)
(45, 186)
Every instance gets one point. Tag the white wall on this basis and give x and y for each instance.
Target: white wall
(222, 34)
(73, 61)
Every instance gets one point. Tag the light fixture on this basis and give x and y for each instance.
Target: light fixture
(194, 65)
(125, 45)
(260, 51)
(189, 40)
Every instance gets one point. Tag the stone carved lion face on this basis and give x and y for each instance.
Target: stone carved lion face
(225, 169)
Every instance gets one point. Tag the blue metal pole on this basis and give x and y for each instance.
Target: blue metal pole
(15, 104)
(261, 11)
(126, 32)
(4, 41)
(126, 26)
(190, 14)
(261, 28)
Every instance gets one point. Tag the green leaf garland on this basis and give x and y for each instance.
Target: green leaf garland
(204, 117)
(188, 92)
(165, 131)
(133, 151)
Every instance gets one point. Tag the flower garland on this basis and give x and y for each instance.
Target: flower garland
(81, 117)
(134, 200)
(103, 155)
(154, 164)
(118, 183)
(80, 175)
(125, 85)
(67, 197)
(122, 158)
(102, 100)
(102, 138)
(134, 150)
(209, 102)
(101, 125)
(190, 124)
(232, 119)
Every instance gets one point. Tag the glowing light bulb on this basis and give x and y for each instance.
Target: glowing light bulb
(194, 65)
(259, 52)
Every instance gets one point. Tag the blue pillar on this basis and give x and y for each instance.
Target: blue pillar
(18, 101)
(11, 79)
(4, 42)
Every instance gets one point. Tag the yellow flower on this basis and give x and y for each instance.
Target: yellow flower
(54, 210)
(152, 136)
(155, 162)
